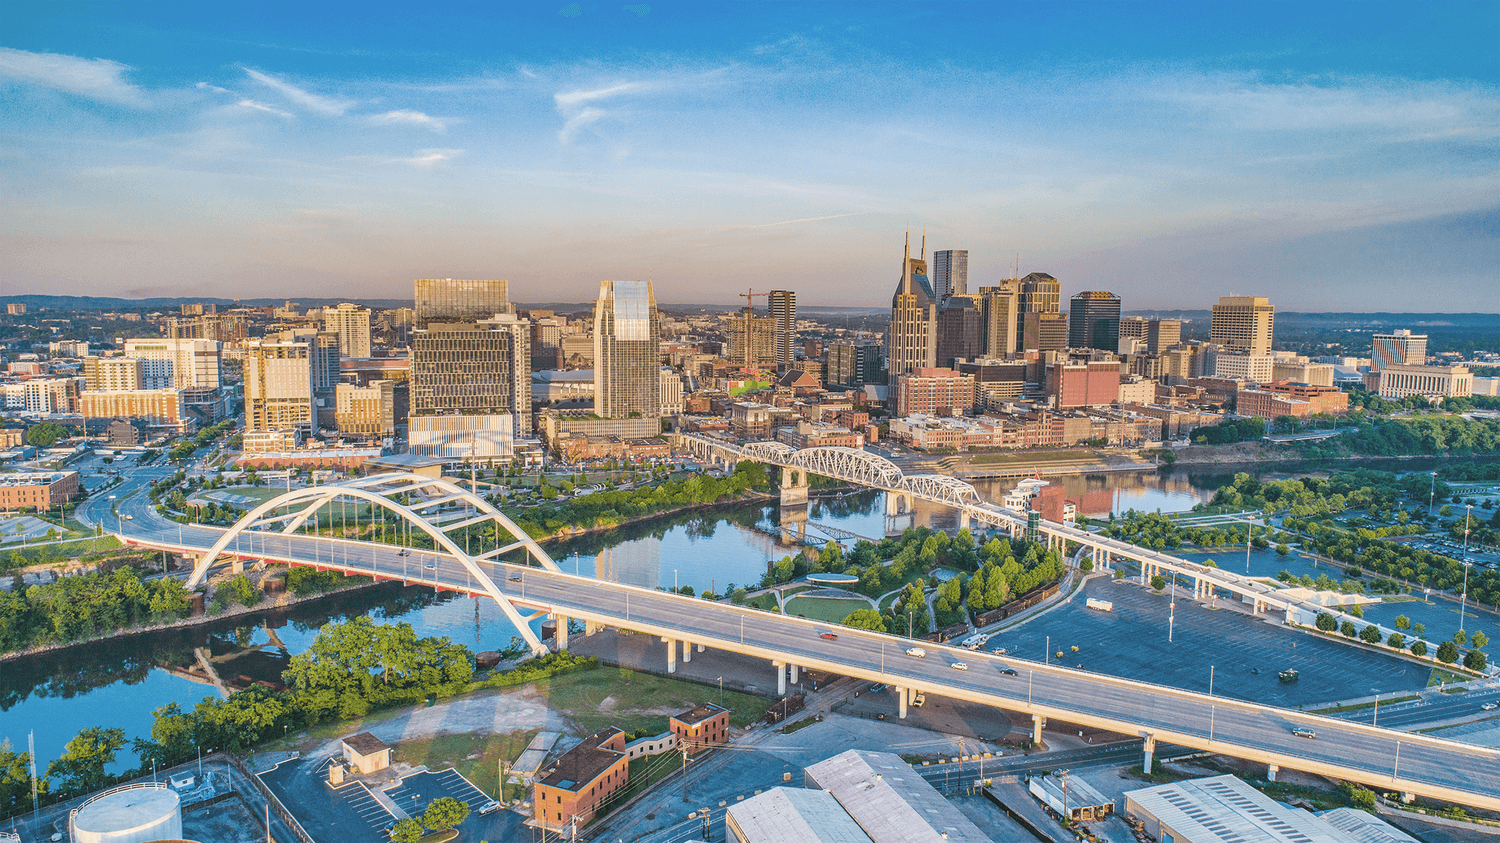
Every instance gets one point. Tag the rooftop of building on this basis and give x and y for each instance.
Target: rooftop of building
(793, 815)
(1227, 809)
(583, 763)
(563, 376)
(33, 478)
(700, 714)
(365, 743)
(890, 800)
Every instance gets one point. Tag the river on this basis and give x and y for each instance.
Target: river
(119, 683)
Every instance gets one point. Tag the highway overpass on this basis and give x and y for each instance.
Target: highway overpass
(279, 531)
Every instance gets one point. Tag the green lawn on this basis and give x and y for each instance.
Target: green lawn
(66, 550)
(765, 601)
(831, 609)
(637, 700)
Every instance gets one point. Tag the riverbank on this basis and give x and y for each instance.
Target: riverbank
(1261, 453)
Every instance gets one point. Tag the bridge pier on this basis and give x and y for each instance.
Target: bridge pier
(671, 655)
(1271, 771)
(562, 631)
(794, 673)
(903, 693)
(793, 486)
(964, 519)
(589, 627)
(1038, 722)
(687, 652)
(1150, 751)
(780, 678)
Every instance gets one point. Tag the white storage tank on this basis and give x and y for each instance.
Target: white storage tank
(135, 813)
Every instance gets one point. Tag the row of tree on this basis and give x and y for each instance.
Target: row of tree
(86, 605)
(611, 507)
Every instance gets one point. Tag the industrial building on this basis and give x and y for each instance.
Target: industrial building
(889, 800)
(788, 815)
(1226, 809)
(134, 813)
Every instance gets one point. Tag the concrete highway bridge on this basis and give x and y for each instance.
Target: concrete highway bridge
(511, 569)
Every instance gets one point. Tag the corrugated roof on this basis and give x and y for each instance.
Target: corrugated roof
(1226, 809)
(1364, 827)
(791, 815)
(890, 800)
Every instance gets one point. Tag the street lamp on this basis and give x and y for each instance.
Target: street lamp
(1463, 600)
(1431, 487)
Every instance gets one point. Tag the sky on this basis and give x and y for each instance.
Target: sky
(1331, 156)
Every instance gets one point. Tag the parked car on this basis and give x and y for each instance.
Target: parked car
(877, 687)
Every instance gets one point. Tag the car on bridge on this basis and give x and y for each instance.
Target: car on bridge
(1489, 706)
(916, 652)
(959, 666)
(828, 636)
(1304, 732)
(405, 551)
(1009, 671)
(430, 564)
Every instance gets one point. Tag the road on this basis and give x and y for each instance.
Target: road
(1379, 757)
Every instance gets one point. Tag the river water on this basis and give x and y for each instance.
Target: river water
(118, 683)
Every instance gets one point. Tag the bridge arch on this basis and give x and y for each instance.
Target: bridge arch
(383, 491)
(852, 464)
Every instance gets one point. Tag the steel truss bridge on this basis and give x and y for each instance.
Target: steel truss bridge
(493, 558)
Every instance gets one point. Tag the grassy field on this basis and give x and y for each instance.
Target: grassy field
(765, 601)
(1439, 676)
(1040, 457)
(831, 609)
(476, 756)
(66, 550)
(637, 700)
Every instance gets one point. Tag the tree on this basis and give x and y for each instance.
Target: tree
(1460, 637)
(1419, 628)
(1419, 648)
(1347, 629)
(1447, 652)
(865, 619)
(83, 762)
(15, 779)
(1370, 634)
(407, 831)
(1475, 660)
(444, 813)
(1326, 622)
(45, 435)
(1397, 641)
(1158, 582)
(1403, 622)
(1478, 640)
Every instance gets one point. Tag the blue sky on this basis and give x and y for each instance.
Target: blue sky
(1332, 156)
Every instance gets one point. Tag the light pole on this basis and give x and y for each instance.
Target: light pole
(1249, 536)
(1172, 609)
(1431, 487)
(1463, 600)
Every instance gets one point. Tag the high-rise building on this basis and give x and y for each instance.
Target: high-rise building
(177, 364)
(999, 314)
(1039, 293)
(279, 387)
(1094, 320)
(1044, 331)
(546, 340)
(113, 374)
(1158, 334)
(1244, 323)
(853, 364)
(1398, 348)
(950, 273)
(455, 300)
(352, 324)
(782, 307)
(752, 340)
(1083, 384)
(627, 354)
(912, 339)
(960, 334)
(941, 392)
(368, 411)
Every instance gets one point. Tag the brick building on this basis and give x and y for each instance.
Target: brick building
(37, 489)
(701, 728)
(938, 392)
(1090, 384)
(1290, 399)
(581, 780)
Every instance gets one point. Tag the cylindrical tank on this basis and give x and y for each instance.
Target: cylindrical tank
(136, 813)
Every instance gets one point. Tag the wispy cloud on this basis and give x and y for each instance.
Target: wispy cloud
(573, 98)
(260, 106)
(573, 105)
(204, 86)
(578, 121)
(306, 99)
(429, 158)
(97, 79)
(810, 219)
(407, 117)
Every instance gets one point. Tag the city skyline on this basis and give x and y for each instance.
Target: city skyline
(1321, 156)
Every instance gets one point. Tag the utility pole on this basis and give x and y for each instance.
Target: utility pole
(1065, 796)
(684, 773)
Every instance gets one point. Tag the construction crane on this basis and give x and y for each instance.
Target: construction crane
(751, 296)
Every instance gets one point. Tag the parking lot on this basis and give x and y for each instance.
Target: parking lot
(1246, 653)
(331, 816)
(418, 789)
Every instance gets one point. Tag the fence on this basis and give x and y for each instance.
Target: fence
(275, 803)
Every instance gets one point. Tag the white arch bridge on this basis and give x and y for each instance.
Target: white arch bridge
(295, 525)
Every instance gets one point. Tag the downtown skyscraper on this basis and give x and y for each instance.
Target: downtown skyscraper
(912, 340)
(950, 273)
(782, 307)
(627, 353)
(1094, 320)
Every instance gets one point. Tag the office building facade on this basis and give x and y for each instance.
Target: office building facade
(1398, 381)
(279, 387)
(113, 374)
(179, 363)
(782, 307)
(854, 364)
(999, 314)
(1157, 335)
(911, 343)
(1398, 348)
(1094, 320)
(751, 340)
(950, 273)
(352, 325)
(1044, 331)
(1244, 323)
(1039, 293)
(627, 351)
(960, 330)
(460, 300)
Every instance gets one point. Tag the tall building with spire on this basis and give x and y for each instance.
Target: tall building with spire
(627, 374)
(912, 339)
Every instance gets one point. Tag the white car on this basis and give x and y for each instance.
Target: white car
(919, 700)
(1489, 706)
(916, 652)
(959, 666)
